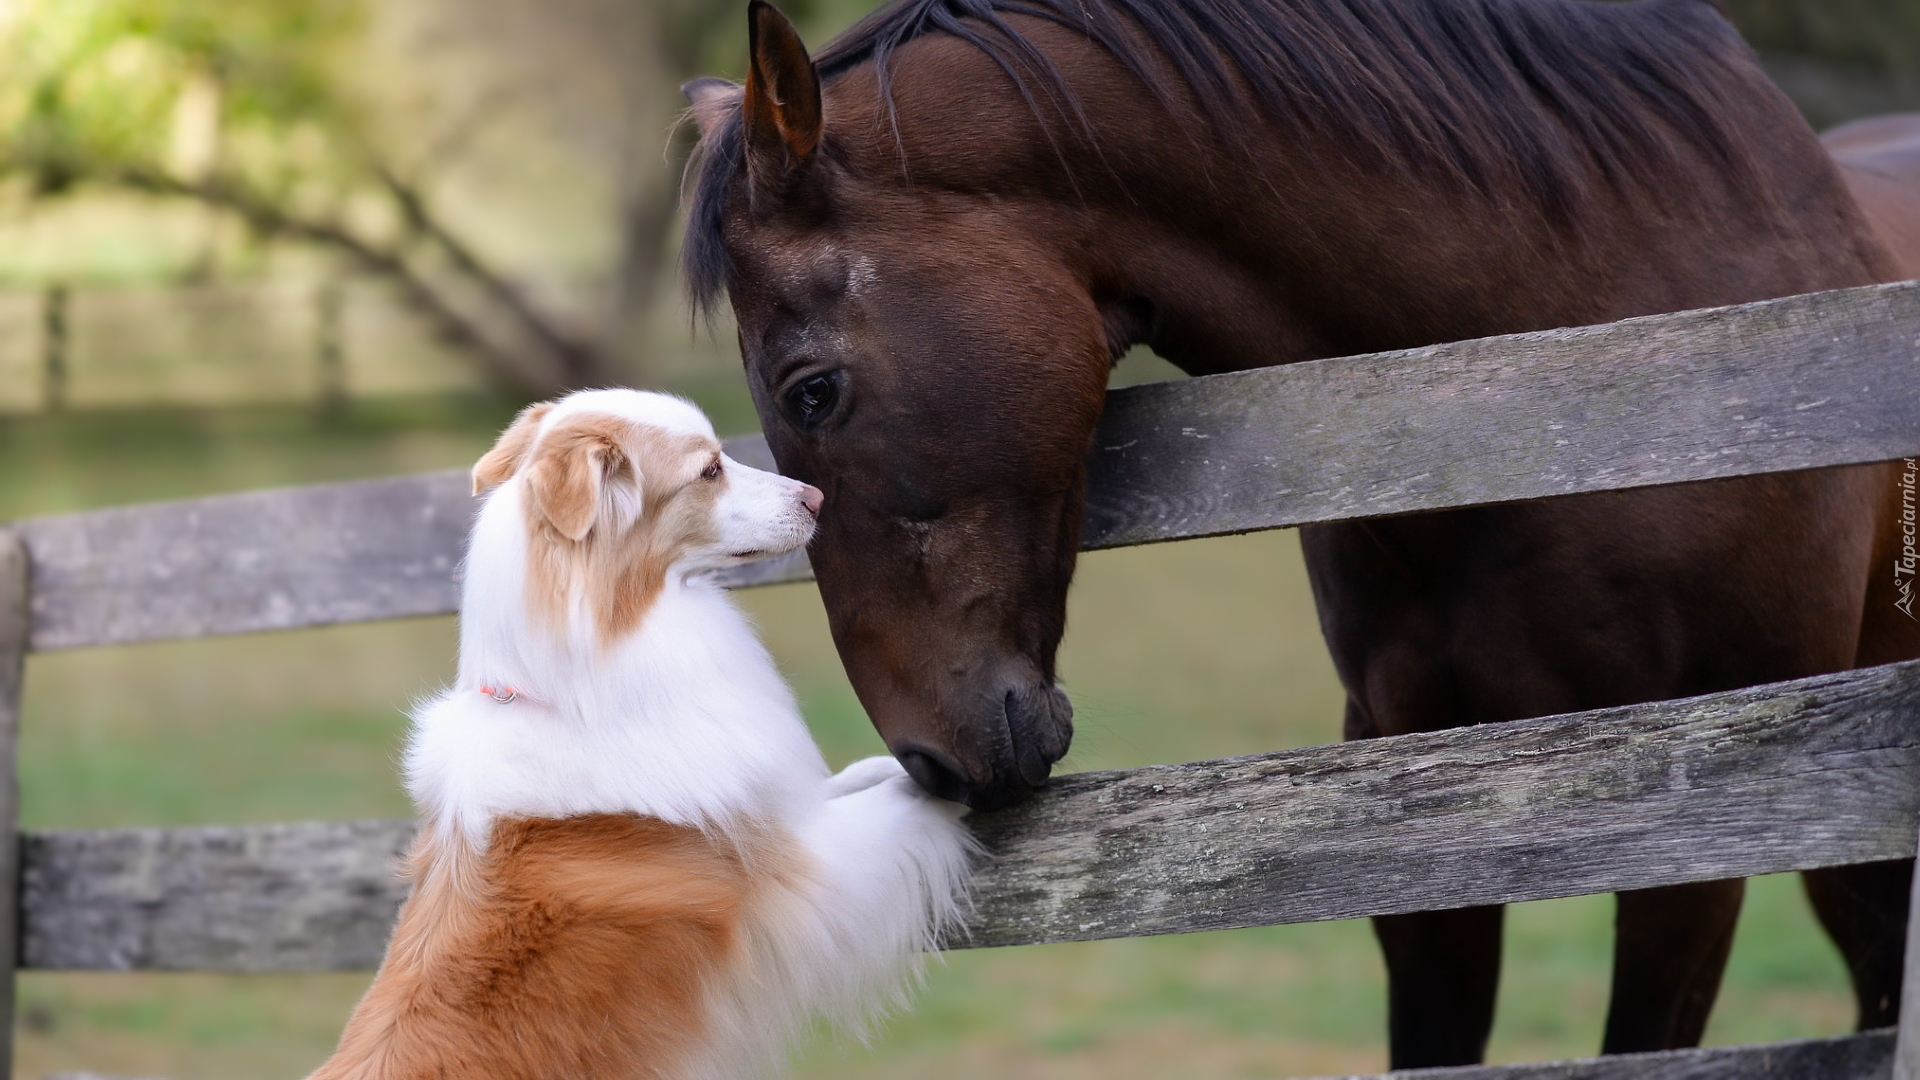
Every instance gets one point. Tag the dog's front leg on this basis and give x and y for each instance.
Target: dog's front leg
(863, 774)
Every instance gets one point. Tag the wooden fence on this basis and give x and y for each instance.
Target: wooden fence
(91, 347)
(1794, 776)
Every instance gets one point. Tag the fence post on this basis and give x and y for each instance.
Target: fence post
(54, 342)
(14, 626)
(328, 350)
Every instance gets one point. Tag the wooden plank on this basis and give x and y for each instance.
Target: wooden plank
(318, 897)
(1849, 1057)
(1852, 1057)
(1819, 772)
(270, 560)
(1829, 379)
(1906, 1063)
(14, 626)
(1810, 773)
(1809, 381)
(265, 560)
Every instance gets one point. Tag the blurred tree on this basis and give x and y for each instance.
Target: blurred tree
(1878, 34)
(619, 102)
(1839, 59)
(249, 106)
(598, 74)
(266, 110)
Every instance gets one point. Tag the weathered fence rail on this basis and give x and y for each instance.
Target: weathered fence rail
(1801, 775)
(1793, 776)
(1830, 379)
(1861, 1057)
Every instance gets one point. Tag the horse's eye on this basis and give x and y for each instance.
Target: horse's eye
(812, 400)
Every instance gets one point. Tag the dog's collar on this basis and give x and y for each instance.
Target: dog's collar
(507, 695)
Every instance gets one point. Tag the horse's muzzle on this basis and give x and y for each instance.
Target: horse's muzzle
(1036, 726)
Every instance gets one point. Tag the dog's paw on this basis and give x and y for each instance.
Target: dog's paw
(907, 789)
(864, 774)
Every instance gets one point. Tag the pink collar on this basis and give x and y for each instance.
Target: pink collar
(507, 695)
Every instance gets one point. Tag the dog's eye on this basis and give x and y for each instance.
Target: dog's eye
(812, 400)
(711, 472)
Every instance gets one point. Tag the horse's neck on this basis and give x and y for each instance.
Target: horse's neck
(1314, 256)
(1223, 259)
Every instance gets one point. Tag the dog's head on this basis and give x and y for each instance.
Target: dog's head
(620, 491)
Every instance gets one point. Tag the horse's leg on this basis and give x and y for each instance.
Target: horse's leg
(1864, 909)
(1673, 943)
(1443, 972)
(1670, 948)
(1500, 613)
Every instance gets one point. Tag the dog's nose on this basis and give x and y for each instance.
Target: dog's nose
(811, 498)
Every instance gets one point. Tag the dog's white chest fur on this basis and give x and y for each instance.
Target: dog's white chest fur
(697, 727)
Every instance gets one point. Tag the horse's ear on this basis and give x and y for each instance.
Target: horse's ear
(781, 102)
(709, 102)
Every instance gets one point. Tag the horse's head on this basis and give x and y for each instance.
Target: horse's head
(937, 238)
(927, 360)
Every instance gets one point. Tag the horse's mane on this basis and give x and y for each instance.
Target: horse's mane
(1510, 97)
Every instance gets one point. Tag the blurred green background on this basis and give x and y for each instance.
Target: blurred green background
(258, 242)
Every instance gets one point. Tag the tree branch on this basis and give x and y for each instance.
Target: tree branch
(580, 362)
(506, 371)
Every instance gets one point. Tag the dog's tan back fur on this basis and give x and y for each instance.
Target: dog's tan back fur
(582, 948)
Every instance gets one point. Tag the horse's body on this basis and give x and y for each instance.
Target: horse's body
(932, 276)
(1880, 159)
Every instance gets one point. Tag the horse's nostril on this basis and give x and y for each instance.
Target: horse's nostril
(811, 497)
(1039, 727)
(934, 773)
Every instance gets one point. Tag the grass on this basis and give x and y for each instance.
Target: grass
(1177, 652)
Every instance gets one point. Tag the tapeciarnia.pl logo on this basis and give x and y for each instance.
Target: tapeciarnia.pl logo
(1907, 562)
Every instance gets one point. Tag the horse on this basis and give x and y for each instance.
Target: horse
(938, 237)
(1880, 160)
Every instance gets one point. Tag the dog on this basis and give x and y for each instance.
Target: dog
(633, 861)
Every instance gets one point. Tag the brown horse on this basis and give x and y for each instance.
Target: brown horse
(1880, 159)
(938, 238)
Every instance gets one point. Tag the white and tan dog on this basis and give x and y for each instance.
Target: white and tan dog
(633, 861)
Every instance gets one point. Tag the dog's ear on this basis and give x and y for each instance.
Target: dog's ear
(572, 467)
(499, 464)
